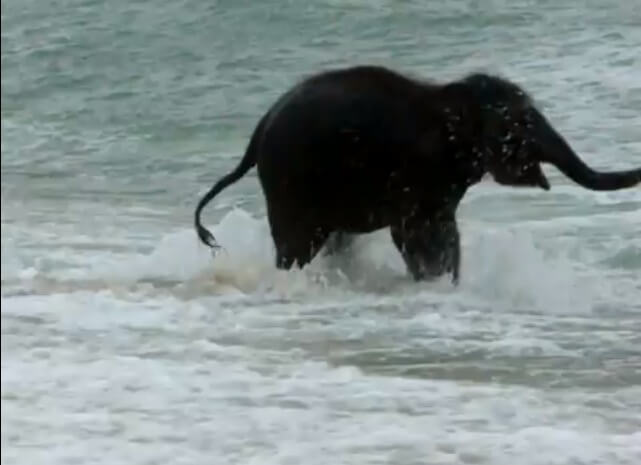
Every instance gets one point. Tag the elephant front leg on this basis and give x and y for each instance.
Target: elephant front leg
(429, 246)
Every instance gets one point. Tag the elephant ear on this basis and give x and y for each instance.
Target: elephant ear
(513, 156)
(517, 171)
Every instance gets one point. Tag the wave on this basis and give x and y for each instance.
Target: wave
(507, 268)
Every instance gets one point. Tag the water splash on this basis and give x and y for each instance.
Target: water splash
(502, 268)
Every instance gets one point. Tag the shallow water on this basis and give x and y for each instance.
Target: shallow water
(123, 341)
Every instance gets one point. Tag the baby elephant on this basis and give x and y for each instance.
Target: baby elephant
(353, 150)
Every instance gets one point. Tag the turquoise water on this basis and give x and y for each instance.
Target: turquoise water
(123, 341)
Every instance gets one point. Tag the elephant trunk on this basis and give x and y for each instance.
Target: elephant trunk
(559, 153)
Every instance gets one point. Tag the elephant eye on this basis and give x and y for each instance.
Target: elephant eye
(529, 118)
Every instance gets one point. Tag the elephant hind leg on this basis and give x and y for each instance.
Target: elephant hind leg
(296, 242)
(430, 247)
(298, 248)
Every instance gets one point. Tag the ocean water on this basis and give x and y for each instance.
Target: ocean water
(125, 342)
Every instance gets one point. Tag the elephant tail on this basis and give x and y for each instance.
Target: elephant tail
(248, 162)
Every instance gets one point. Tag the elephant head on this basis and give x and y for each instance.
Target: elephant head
(515, 138)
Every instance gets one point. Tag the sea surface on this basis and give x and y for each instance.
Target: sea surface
(125, 342)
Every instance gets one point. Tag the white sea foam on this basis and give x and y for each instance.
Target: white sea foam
(504, 267)
(166, 373)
